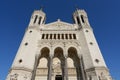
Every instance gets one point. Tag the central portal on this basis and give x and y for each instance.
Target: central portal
(58, 77)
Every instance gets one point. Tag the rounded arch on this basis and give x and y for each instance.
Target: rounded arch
(60, 45)
(58, 52)
(45, 52)
(72, 51)
(42, 62)
(44, 56)
(73, 54)
(75, 47)
(43, 45)
(58, 61)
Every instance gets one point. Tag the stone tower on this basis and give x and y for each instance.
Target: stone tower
(59, 51)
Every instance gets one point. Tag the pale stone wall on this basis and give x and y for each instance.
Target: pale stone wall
(59, 48)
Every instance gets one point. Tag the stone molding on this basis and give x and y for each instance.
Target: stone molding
(96, 68)
(21, 68)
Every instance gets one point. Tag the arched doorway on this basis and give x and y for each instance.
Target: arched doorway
(58, 64)
(74, 70)
(42, 65)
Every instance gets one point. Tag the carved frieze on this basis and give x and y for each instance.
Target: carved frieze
(58, 42)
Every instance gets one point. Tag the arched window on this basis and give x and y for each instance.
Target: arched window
(82, 18)
(50, 36)
(43, 36)
(78, 20)
(54, 36)
(35, 18)
(39, 20)
(74, 36)
(66, 36)
(58, 36)
(46, 36)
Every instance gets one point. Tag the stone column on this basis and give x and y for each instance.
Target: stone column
(56, 36)
(52, 36)
(72, 36)
(48, 36)
(65, 70)
(35, 66)
(50, 68)
(68, 36)
(60, 36)
(45, 36)
(82, 68)
(64, 36)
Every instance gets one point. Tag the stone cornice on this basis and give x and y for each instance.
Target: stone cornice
(96, 68)
(21, 68)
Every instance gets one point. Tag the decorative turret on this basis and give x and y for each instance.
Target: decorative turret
(80, 18)
(38, 17)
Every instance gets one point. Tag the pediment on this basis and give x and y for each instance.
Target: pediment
(59, 25)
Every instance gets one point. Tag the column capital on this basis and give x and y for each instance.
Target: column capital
(51, 55)
(66, 56)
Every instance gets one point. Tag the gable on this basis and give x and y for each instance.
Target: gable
(59, 25)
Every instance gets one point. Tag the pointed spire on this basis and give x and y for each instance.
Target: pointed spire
(41, 8)
(77, 8)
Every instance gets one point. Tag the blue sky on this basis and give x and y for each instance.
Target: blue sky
(104, 17)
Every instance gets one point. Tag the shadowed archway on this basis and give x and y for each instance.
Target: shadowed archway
(42, 64)
(74, 63)
(58, 63)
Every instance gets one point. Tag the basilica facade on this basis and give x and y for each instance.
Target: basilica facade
(59, 51)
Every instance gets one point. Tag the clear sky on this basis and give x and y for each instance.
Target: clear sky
(104, 17)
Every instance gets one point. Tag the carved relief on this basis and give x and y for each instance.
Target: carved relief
(103, 77)
(14, 77)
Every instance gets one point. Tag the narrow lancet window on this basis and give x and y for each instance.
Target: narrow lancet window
(74, 36)
(43, 35)
(62, 36)
(35, 18)
(50, 36)
(39, 20)
(82, 18)
(54, 36)
(58, 36)
(46, 36)
(44, 20)
(78, 20)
